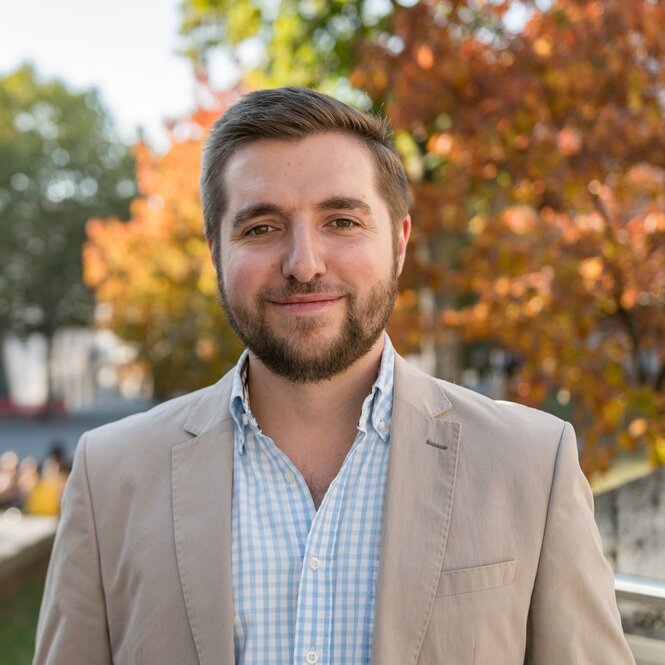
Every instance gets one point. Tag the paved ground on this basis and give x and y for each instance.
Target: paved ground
(34, 436)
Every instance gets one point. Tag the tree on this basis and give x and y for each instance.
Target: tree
(543, 150)
(60, 164)
(154, 273)
(290, 42)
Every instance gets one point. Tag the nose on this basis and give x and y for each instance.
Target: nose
(304, 258)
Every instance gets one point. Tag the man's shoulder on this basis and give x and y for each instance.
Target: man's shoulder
(496, 422)
(471, 403)
(164, 425)
(165, 416)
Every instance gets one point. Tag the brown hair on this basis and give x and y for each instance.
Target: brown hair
(290, 114)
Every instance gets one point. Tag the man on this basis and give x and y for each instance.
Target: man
(324, 502)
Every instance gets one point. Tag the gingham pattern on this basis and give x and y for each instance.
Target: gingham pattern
(304, 580)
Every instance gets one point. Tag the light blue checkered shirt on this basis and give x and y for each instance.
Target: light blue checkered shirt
(304, 580)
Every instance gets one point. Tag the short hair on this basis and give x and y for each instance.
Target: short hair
(290, 114)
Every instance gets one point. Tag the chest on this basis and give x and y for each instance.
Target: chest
(298, 570)
(318, 457)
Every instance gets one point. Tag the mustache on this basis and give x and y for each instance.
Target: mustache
(303, 288)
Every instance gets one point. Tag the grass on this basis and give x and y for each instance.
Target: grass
(19, 608)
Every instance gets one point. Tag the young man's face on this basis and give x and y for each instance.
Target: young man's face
(308, 264)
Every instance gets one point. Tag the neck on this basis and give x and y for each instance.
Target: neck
(280, 405)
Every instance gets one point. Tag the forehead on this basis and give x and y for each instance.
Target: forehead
(305, 170)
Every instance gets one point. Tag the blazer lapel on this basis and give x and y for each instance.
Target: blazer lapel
(419, 497)
(202, 474)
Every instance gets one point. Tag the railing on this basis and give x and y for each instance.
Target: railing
(642, 589)
(647, 651)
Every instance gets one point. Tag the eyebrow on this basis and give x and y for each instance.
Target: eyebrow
(255, 210)
(332, 203)
(344, 203)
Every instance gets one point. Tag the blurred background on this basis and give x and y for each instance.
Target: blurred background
(534, 138)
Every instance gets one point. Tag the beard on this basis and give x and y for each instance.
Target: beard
(301, 353)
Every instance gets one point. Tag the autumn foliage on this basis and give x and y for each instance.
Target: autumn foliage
(541, 155)
(154, 271)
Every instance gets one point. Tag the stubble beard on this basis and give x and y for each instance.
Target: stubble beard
(301, 354)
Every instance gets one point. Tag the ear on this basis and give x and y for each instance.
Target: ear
(212, 255)
(403, 234)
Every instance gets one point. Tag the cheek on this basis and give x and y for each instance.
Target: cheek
(366, 264)
(246, 272)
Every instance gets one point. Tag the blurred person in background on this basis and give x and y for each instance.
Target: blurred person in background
(28, 477)
(9, 474)
(44, 499)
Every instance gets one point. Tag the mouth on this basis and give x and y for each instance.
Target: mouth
(305, 303)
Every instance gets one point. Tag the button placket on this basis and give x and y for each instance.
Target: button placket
(318, 560)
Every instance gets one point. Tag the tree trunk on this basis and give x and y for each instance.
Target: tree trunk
(4, 384)
(444, 249)
(51, 397)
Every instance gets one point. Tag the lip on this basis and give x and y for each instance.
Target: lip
(306, 297)
(311, 302)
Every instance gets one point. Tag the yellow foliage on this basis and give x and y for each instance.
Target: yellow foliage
(156, 272)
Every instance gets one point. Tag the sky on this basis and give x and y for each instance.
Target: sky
(125, 48)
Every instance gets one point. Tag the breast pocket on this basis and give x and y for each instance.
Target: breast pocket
(477, 578)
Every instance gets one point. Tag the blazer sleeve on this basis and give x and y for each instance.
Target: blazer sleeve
(573, 617)
(72, 628)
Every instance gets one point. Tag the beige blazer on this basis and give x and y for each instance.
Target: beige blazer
(490, 554)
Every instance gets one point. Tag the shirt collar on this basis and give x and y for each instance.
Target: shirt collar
(239, 403)
(376, 409)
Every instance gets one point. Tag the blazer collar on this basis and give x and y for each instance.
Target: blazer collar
(424, 448)
(419, 391)
(211, 407)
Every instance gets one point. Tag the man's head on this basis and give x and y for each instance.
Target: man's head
(308, 230)
(290, 114)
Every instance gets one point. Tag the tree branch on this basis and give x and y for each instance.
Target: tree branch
(623, 314)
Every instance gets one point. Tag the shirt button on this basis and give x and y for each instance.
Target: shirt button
(314, 562)
(289, 477)
(383, 426)
(245, 419)
(311, 657)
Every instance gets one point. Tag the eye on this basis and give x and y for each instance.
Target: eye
(343, 223)
(259, 230)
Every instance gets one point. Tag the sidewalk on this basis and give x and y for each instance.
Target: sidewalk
(24, 541)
